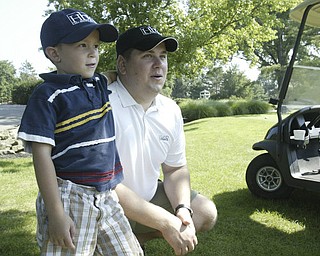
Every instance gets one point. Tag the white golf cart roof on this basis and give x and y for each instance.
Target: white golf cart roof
(313, 16)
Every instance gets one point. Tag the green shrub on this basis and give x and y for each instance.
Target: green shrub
(240, 108)
(197, 109)
(258, 107)
(22, 92)
(221, 108)
(250, 107)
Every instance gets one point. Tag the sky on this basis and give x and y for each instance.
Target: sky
(21, 22)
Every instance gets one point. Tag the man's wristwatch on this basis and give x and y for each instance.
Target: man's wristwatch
(183, 206)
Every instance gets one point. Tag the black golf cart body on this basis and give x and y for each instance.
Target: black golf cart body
(292, 160)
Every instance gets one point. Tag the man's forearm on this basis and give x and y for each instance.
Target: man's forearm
(173, 231)
(139, 210)
(177, 185)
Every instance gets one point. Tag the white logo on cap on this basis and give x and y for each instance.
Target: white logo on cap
(149, 30)
(77, 17)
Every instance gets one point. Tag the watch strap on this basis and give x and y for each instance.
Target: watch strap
(183, 206)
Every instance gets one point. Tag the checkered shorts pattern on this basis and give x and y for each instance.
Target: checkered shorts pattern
(101, 227)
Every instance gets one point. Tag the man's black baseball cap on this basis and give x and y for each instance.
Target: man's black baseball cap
(144, 38)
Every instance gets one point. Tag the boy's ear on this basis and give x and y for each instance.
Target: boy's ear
(53, 54)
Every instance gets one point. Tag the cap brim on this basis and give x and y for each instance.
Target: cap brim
(108, 33)
(170, 43)
(313, 18)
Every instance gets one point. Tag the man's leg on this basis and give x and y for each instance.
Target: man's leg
(204, 213)
(204, 217)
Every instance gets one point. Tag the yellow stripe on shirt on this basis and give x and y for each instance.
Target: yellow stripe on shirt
(82, 119)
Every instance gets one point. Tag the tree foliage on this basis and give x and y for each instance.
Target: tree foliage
(27, 71)
(207, 30)
(7, 80)
(275, 54)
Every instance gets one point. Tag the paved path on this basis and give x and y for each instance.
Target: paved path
(10, 115)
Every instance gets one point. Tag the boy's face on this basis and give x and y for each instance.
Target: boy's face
(79, 58)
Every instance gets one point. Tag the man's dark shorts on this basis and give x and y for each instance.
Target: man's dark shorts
(160, 198)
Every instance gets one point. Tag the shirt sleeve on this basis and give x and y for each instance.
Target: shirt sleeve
(38, 122)
(177, 152)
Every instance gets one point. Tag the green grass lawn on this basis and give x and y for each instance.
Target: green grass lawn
(218, 152)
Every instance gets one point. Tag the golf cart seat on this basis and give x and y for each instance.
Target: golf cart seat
(299, 124)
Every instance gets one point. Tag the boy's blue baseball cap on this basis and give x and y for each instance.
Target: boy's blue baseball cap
(144, 38)
(71, 26)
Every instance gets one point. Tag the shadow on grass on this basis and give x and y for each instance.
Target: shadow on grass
(239, 233)
(192, 126)
(17, 233)
(13, 167)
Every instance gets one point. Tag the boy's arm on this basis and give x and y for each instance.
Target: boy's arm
(61, 227)
(181, 238)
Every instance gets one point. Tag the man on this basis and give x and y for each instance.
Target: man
(149, 132)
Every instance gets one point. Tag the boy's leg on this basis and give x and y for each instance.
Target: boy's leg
(101, 227)
(115, 236)
(79, 205)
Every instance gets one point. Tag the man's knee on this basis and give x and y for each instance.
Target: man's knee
(205, 213)
(211, 215)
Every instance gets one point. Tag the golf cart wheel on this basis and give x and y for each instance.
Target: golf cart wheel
(265, 180)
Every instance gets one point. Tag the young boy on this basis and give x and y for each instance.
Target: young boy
(68, 126)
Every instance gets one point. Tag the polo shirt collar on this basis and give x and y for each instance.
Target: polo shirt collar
(64, 78)
(126, 99)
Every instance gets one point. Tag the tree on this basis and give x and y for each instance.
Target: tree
(222, 84)
(207, 30)
(27, 71)
(273, 56)
(234, 84)
(7, 80)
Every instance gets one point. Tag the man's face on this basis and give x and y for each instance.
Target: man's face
(147, 70)
(81, 57)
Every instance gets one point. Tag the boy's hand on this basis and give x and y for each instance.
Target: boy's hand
(61, 231)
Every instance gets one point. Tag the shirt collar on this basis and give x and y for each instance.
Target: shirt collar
(66, 78)
(127, 100)
(125, 97)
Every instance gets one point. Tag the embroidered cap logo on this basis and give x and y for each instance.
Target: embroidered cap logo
(148, 31)
(77, 17)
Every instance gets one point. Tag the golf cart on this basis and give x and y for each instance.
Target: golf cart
(292, 157)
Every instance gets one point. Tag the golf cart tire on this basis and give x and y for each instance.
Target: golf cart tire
(265, 180)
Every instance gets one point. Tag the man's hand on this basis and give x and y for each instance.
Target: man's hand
(61, 231)
(182, 238)
(184, 215)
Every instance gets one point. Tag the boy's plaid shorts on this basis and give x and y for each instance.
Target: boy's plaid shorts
(101, 226)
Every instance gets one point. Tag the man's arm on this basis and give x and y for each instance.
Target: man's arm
(177, 187)
(61, 227)
(180, 237)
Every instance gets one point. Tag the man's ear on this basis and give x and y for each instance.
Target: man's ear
(121, 64)
(53, 54)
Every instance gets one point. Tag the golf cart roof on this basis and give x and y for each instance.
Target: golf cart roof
(313, 18)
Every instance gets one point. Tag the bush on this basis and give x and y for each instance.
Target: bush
(197, 109)
(258, 107)
(221, 108)
(22, 92)
(249, 107)
(239, 108)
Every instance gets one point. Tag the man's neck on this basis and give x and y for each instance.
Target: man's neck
(143, 98)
